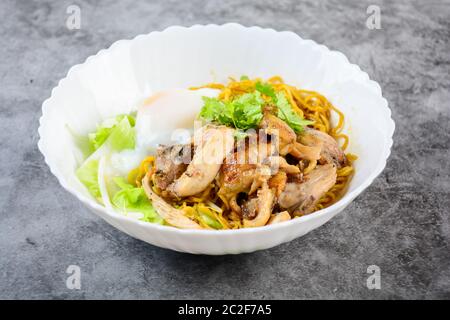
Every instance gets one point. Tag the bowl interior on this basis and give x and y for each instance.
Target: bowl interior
(115, 80)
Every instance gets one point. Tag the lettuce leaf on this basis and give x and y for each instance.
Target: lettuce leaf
(88, 175)
(82, 142)
(288, 115)
(131, 198)
(123, 136)
(114, 134)
(119, 130)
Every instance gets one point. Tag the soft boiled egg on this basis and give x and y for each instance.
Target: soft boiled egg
(165, 117)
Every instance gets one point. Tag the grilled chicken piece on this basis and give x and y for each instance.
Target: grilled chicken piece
(278, 163)
(301, 197)
(274, 125)
(278, 182)
(171, 215)
(330, 151)
(236, 177)
(212, 145)
(249, 208)
(250, 182)
(279, 217)
(288, 139)
(242, 171)
(301, 151)
(258, 211)
(171, 162)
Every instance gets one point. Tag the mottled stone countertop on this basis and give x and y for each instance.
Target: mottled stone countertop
(401, 223)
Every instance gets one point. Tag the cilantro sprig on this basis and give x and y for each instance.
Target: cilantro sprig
(246, 111)
(288, 115)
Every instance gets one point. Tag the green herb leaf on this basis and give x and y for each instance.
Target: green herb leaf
(247, 110)
(217, 111)
(244, 77)
(244, 113)
(88, 175)
(288, 115)
(266, 89)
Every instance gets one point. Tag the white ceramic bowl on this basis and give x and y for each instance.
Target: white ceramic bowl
(115, 79)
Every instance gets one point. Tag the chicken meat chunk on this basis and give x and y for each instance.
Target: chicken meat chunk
(287, 139)
(329, 148)
(171, 215)
(257, 211)
(243, 171)
(301, 197)
(212, 145)
(171, 162)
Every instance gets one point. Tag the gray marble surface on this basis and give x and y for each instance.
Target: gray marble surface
(401, 223)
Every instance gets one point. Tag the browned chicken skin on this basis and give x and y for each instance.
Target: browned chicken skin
(277, 163)
(249, 208)
(239, 174)
(212, 146)
(330, 151)
(258, 211)
(235, 177)
(301, 197)
(288, 139)
(243, 171)
(171, 162)
(274, 125)
(278, 182)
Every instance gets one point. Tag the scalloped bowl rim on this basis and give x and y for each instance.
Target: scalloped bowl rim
(340, 204)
